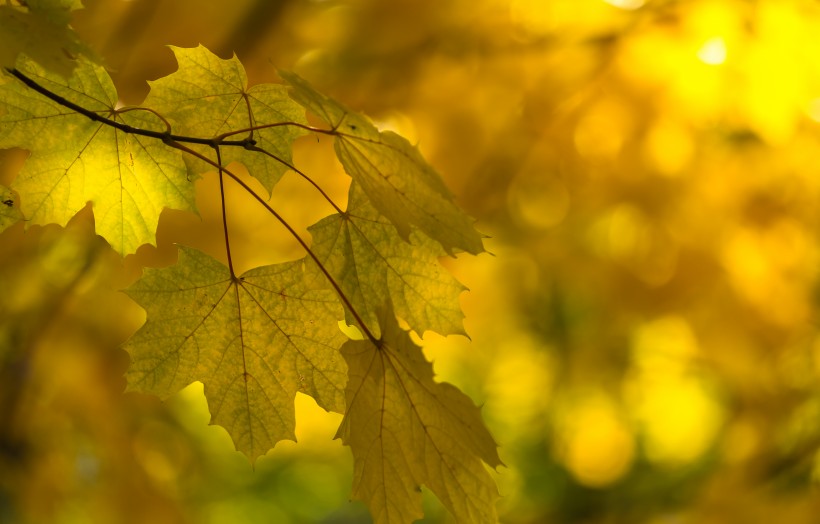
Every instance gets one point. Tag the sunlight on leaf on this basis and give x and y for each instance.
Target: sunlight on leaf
(209, 96)
(253, 342)
(399, 182)
(9, 214)
(364, 253)
(129, 178)
(407, 430)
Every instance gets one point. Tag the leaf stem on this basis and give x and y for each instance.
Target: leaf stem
(298, 172)
(224, 210)
(365, 330)
(178, 141)
(248, 143)
(148, 109)
(125, 128)
(277, 124)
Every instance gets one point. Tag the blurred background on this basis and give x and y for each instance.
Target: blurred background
(644, 335)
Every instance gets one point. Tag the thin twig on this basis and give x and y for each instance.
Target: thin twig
(277, 124)
(125, 128)
(298, 172)
(293, 233)
(224, 211)
(177, 142)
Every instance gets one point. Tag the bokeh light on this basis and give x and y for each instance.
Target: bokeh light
(643, 335)
(593, 441)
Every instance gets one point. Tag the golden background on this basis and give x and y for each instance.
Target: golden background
(644, 335)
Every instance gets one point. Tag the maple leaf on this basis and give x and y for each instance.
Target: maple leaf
(40, 30)
(74, 159)
(8, 213)
(208, 96)
(364, 253)
(392, 172)
(253, 341)
(407, 430)
(257, 339)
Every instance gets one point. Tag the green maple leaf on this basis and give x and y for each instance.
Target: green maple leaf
(208, 96)
(128, 178)
(253, 341)
(392, 172)
(8, 213)
(40, 30)
(256, 340)
(407, 430)
(364, 253)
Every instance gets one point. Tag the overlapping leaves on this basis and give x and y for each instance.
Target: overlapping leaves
(208, 97)
(257, 339)
(399, 182)
(363, 251)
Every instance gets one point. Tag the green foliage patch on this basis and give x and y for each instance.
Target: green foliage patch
(255, 339)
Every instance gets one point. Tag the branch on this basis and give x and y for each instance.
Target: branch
(290, 229)
(250, 130)
(224, 212)
(125, 128)
(298, 172)
(178, 141)
(166, 136)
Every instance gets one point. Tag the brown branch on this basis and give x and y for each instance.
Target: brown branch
(178, 141)
(125, 128)
(224, 212)
(298, 172)
(296, 236)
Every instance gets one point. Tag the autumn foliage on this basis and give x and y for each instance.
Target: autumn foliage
(255, 339)
(208, 251)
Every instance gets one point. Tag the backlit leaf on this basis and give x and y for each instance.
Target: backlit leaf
(129, 178)
(253, 341)
(9, 214)
(257, 339)
(208, 96)
(363, 251)
(399, 182)
(406, 430)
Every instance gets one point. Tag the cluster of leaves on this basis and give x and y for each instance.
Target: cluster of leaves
(257, 338)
